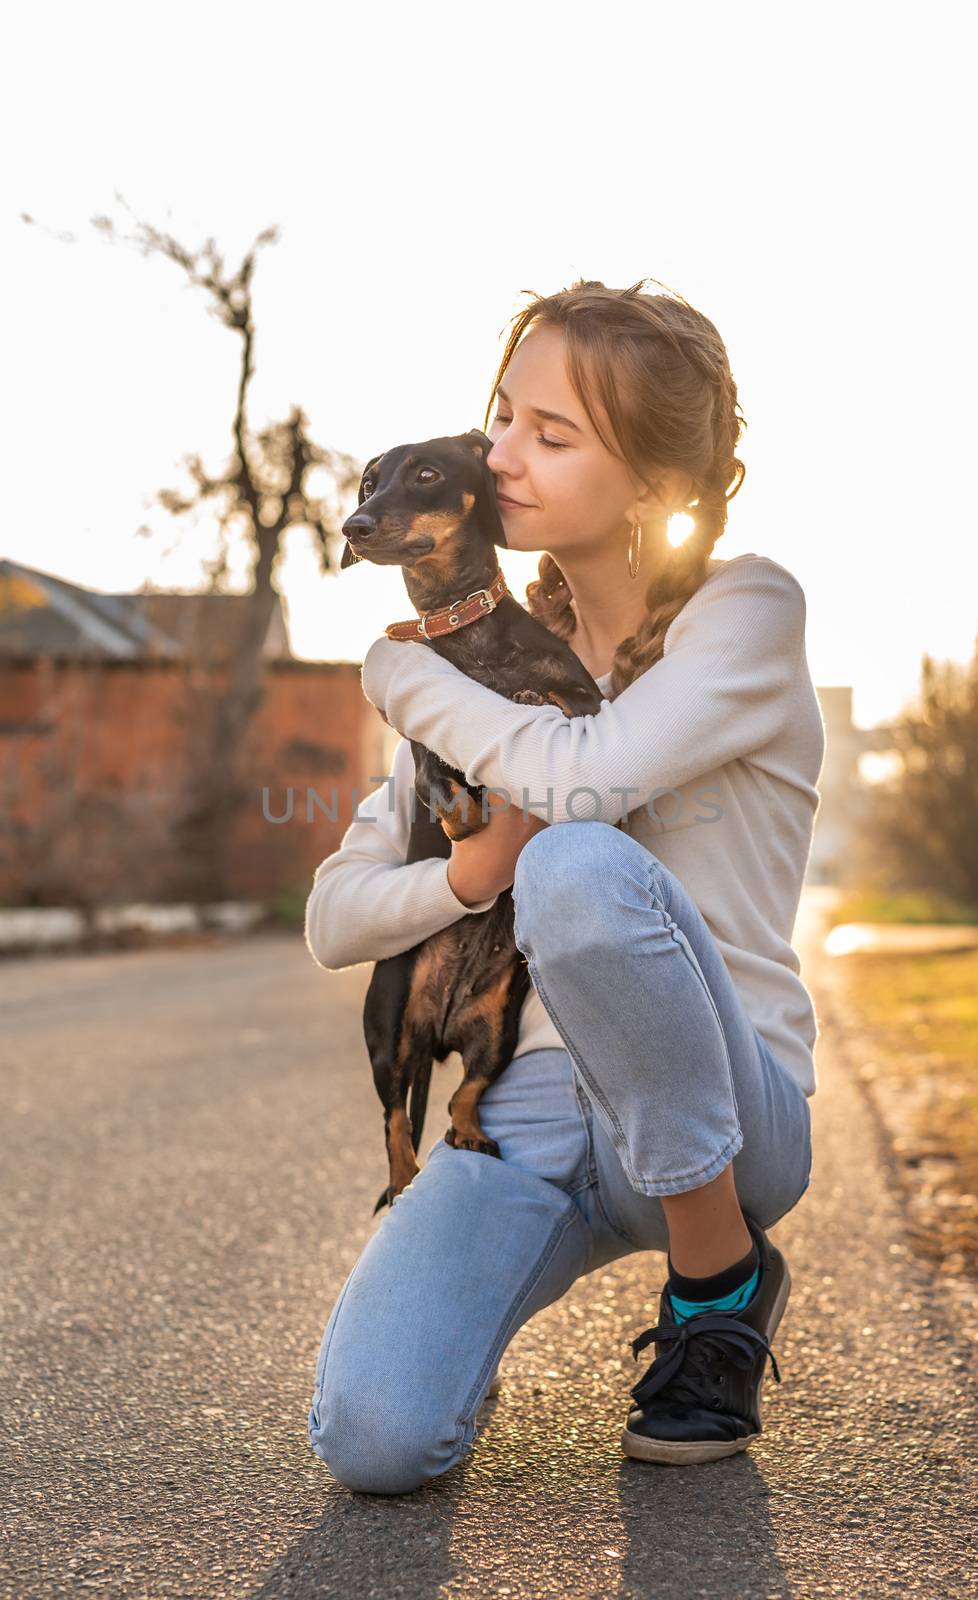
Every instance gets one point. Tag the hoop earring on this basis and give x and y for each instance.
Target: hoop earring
(633, 561)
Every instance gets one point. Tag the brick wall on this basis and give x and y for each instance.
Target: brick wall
(93, 757)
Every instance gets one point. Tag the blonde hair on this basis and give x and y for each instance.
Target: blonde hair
(660, 370)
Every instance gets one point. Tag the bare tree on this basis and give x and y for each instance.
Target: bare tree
(919, 829)
(264, 489)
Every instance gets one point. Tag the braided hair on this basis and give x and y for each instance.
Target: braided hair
(660, 370)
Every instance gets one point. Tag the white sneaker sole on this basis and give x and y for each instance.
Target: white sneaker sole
(686, 1452)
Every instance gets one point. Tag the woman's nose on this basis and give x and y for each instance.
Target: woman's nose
(502, 461)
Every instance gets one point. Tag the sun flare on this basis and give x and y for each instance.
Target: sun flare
(680, 527)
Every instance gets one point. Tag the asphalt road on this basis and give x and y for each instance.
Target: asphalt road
(190, 1149)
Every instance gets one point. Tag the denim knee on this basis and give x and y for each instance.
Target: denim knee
(561, 882)
(377, 1444)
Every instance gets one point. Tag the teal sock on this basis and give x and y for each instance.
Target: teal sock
(728, 1291)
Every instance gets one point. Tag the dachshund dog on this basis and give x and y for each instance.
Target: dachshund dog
(431, 509)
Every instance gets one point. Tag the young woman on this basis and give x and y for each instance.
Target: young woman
(659, 1095)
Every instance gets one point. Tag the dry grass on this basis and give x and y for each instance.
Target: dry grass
(917, 1021)
(914, 906)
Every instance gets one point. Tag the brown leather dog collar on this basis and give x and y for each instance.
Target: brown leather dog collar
(448, 619)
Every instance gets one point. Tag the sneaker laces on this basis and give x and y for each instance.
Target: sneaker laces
(735, 1340)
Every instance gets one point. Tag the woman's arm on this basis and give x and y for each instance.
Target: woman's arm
(366, 903)
(721, 691)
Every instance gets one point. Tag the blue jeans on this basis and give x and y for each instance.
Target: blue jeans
(664, 1081)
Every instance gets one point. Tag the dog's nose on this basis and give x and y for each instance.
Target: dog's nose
(360, 522)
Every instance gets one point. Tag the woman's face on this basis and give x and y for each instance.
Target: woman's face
(574, 494)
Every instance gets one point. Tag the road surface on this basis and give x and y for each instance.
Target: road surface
(190, 1151)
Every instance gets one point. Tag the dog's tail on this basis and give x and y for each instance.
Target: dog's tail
(417, 1106)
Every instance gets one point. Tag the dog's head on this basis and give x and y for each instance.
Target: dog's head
(417, 501)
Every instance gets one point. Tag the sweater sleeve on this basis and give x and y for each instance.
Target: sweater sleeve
(721, 690)
(365, 903)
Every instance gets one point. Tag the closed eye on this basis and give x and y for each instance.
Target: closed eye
(551, 444)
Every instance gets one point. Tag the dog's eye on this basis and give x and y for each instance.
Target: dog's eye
(368, 487)
(428, 475)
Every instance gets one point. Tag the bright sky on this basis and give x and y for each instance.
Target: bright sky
(799, 174)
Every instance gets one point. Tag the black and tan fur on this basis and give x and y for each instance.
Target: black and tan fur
(431, 509)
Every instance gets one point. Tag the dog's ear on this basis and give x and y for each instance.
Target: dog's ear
(479, 442)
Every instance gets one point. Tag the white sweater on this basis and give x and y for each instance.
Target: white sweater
(710, 759)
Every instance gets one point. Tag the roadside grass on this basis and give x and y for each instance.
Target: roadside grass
(871, 905)
(918, 1017)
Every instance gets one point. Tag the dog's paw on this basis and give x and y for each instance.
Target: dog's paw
(528, 697)
(486, 1147)
(458, 811)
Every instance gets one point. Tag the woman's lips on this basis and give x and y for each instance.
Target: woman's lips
(515, 505)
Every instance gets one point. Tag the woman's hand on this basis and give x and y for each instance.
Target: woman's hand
(485, 863)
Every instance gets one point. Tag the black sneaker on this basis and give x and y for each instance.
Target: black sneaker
(701, 1398)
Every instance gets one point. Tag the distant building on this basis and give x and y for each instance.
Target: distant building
(842, 789)
(95, 764)
(41, 615)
